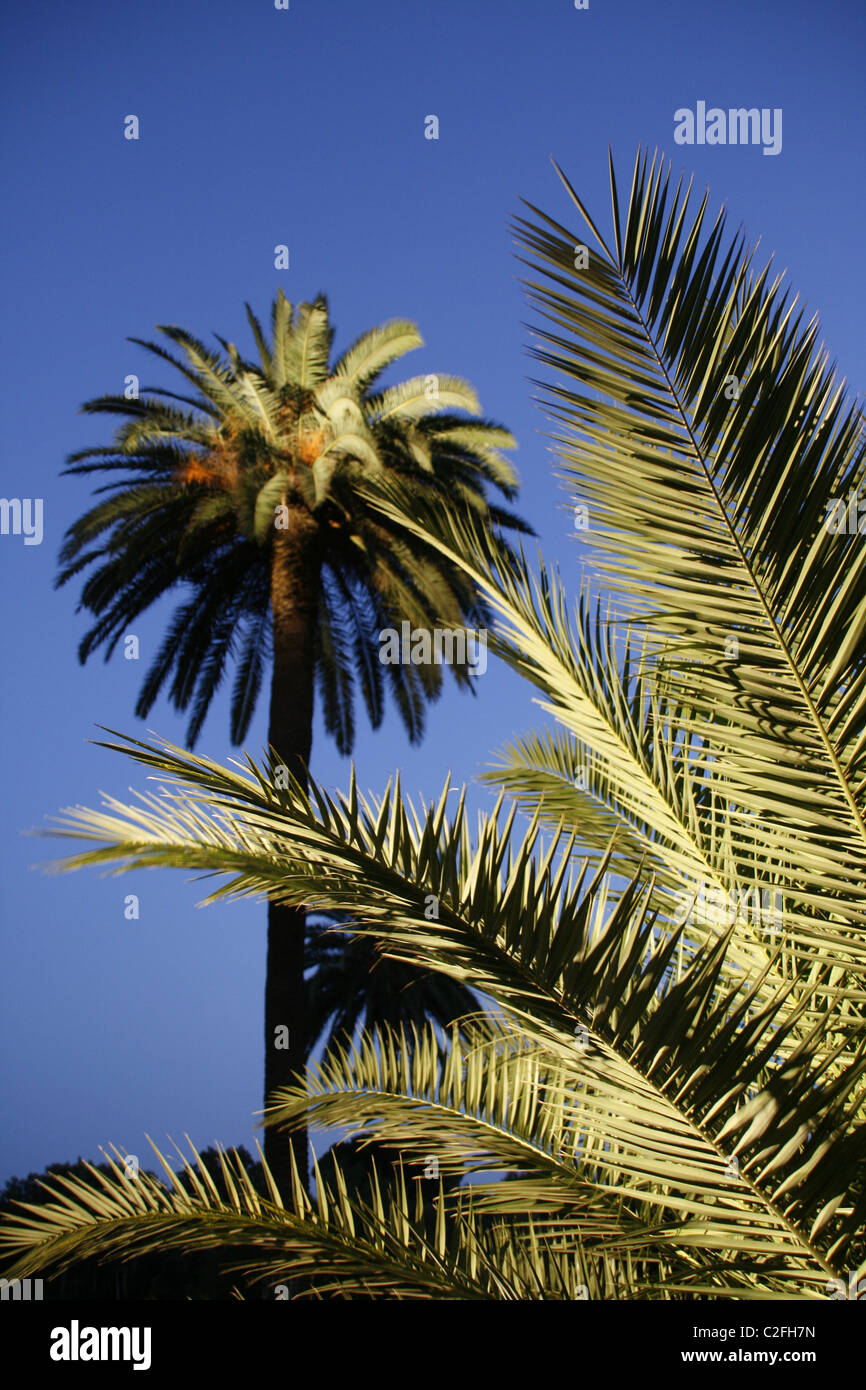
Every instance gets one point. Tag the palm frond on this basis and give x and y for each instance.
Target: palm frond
(708, 501)
(645, 1116)
(376, 349)
(378, 1246)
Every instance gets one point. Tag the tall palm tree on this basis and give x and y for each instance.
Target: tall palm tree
(677, 1097)
(251, 494)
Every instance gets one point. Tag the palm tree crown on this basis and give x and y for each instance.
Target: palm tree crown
(275, 450)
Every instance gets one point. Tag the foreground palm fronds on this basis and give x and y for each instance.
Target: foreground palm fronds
(713, 703)
(379, 1246)
(656, 1133)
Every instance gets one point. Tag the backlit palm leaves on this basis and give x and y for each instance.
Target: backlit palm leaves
(702, 424)
(715, 699)
(346, 1245)
(657, 1133)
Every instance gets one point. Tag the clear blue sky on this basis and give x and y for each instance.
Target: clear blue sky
(306, 127)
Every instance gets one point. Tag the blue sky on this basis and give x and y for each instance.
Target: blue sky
(306, 127)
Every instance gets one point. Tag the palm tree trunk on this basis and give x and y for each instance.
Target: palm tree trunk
(295, 578)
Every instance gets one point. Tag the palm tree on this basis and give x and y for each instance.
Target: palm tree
(675, 1095)
(251, 494)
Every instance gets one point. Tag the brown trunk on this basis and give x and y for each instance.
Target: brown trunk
(295, 578)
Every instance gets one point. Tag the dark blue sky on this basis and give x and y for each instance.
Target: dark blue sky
(306, 127)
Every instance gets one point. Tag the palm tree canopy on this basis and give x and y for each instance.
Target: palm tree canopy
(212, 476)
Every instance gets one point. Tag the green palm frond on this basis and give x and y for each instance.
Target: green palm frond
(658, 782)
(309, 346)
(421, 395)
(702, 424)
(618, 1083)
(604, 1163)
(376, 1245)
(370, 354)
